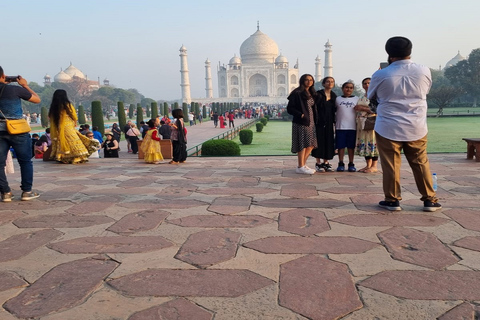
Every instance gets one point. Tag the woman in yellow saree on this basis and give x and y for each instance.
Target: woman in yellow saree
(68, 144)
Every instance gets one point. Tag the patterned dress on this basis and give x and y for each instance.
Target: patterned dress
(366, 145)
(304, 136)
(151, 147)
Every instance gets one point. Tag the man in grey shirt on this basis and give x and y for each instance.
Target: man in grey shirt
(401, 91)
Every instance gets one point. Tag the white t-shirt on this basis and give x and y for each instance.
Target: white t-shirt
(346, 114)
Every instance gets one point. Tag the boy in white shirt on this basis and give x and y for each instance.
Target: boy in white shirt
(345, 126)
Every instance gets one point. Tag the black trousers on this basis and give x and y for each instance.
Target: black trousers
(133, 144)
(179, 151)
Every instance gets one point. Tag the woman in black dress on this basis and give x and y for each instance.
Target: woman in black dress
(301, 105)
(325, 126)
(110, 146)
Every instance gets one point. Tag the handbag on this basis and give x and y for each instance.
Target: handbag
(15, 126)
(370, 122)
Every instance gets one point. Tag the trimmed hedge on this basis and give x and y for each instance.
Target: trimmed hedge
(220, 147)
(44, 118)
(81, 115)
(97, 116)
(264, 121)
(122, 118)
(246, 136)
(259, 126)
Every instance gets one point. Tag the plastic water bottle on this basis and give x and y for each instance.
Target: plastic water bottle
(434, 179)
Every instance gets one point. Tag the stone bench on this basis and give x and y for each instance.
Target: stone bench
(473, 148)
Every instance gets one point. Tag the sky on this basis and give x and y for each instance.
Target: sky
(135, 44)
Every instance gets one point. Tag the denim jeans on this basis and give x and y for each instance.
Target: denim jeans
(22, 144)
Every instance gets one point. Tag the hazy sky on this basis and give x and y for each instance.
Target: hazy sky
(135, 44)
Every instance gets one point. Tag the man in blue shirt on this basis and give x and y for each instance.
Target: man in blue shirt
(11, 106)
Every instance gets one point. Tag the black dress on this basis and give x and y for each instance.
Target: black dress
(109, 153)
(324, 126)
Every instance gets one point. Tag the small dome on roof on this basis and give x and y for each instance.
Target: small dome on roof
(62, 77)
(74, 72)
(235, 60)
(281, 59)
(455, 60)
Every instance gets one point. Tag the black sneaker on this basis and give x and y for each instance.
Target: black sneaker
(430, 206)
(319, 167)
(390, 205)
(328, 167)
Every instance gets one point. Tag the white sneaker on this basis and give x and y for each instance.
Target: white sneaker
(304, 170)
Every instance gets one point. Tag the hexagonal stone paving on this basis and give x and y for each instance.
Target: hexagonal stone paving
(117, 244)
(299, 190)
(206, 248)
(467, 218)
(139, 221)
(190, 283)
(464, 311)
(427, 285)
(303, 222)
(9, 280)
(180, 309)
(417, 247)
(320, 245)
(472, 243)
(61, 221)
(20, 245)
(301, 203)
(318, 288)
(215, 221)
(230, 205)
(65, 286)
(394, 220)
(243, 182)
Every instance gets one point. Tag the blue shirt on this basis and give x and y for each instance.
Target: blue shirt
(97, 135)
(11, 103)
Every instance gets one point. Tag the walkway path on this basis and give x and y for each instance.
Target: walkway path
(237, 238)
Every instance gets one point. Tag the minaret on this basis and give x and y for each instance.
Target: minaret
(185, 82)
(328, 68)
(208, 80)
(318, 69)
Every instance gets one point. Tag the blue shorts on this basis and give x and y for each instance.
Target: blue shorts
(345, 139)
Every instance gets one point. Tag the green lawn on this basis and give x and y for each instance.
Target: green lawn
(445, 135)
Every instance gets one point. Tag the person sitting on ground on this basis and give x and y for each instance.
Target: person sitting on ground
(40, 147)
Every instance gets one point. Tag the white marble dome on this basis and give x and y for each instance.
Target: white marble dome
(258, 48)
(281, 59)
(455, 60)
(235, 60)
(62, 77)
(74, 72)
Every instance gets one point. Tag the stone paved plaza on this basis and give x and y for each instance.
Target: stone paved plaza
(237, 238)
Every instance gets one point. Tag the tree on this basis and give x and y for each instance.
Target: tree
(139, 114)
(185, 110)
(122, 120)
(154, 107)
(131, 110)
(81, 115)
(97, 116)
(466, 74)
(443, 96)
(165, 109)
(44, 118)
(147, 110)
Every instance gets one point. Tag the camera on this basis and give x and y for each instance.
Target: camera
(11, 78)
(383, 65)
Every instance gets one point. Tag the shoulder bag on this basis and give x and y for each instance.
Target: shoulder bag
(370, 122)
(15, 126)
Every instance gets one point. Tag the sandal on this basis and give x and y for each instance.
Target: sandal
(371, 170)
(173, 162)
(363, 169)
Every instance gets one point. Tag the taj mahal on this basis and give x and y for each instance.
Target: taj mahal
(260, 74)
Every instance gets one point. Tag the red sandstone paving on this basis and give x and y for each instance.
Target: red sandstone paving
(369, 203)
(235, 191)
(301, 203)
(139, 221)
(93, 204)
(206, 248)
(62, 192)
(427, 285)
(243, 182)
(7, 216)
(300, 191)
(33, 205)
(318, 288)
(190, 283)
(176, 192)
(459, 203)
(463, 180)
(392, 219)
(472, 243)
(64, 287)
(303, 222)
(198, 174)
(467, 218)
(20, 245)
(154, 204)
(466, 190)
(180, 309)
(354, 190)
(464, 311)
(61, 221)
(417, 247)
(118, 191)
(230, 205)
(354, 179)
(114, 244)
(82, 182)
(137, 182)
(215, 221)
(318, 245)
(10, 280)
